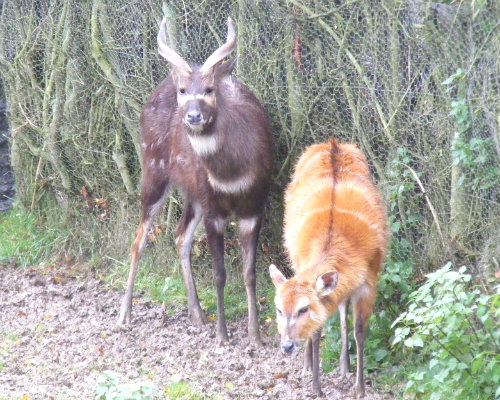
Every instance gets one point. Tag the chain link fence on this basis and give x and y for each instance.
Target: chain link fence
(414, 83)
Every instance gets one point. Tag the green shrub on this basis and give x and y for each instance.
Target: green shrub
(110, 387)
(454, 326)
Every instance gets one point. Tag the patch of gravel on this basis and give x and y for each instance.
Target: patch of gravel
(58, 334)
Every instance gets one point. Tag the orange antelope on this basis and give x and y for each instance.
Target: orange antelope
(335, 232)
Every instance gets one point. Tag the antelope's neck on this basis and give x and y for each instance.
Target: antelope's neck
(227, 169)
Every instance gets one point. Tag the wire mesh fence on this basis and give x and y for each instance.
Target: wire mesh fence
(414, 83)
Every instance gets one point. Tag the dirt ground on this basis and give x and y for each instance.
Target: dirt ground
(58, 334)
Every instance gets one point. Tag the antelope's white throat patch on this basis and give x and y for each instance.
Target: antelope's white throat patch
(238, 185)
(204, 145)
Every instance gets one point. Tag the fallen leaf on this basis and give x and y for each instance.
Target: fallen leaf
(265, 248)
(263, 300)
(211, 317)
(270, 389)
(497, 274)
(100, 351)
(26, 397)
(151, 237)
(84, 192)
(281, 376)
(57, 278)
(135, 301)
(21, 314)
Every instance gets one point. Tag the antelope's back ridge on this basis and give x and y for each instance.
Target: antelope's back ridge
(332, 194)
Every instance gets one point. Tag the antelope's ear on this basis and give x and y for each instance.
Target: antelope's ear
(277, 277)
(326, 283)
(224, 69)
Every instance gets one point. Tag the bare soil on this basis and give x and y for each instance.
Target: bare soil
(58, 334)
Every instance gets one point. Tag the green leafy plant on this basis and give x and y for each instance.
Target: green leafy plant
(477, 158)
(111, 387)
(454, 326)
(475, 155)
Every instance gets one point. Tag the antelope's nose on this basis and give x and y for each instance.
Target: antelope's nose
(193, 117)
(288, 346)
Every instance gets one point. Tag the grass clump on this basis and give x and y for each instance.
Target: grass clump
(25, 240)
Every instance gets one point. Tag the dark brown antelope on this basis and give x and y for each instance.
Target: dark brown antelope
(206, 133)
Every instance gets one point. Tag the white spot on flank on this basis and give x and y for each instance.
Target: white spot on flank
(238, 185)
(162, 163)
(204, 145)
(152, 163)
(144, 145)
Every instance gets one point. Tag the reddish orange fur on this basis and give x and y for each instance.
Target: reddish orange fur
(334, 221)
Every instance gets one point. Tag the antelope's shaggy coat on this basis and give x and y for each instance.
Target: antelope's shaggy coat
(335, 232)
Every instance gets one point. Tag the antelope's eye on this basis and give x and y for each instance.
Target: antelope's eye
(209, 90)
(182, 91)
(303, 310)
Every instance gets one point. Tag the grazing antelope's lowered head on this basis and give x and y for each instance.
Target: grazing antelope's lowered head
(197, 87)
(301, 306)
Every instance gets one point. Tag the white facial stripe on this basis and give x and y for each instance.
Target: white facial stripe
(313, 316)
(204, 145)
(292, 321)
(194, 97)
(301, 303)
(238, 185)
(278, 303)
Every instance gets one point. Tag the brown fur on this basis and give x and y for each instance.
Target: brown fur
(335, 233)
(206, 133)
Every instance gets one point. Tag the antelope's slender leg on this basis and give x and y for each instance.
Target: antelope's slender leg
(344, 351)
(249, 234)
(214, 228)
(152, 199)
(362, 311)
(315, 338)
(184, 233)
(307, 357)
